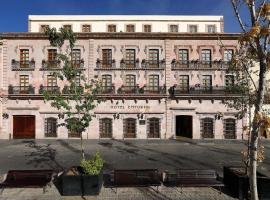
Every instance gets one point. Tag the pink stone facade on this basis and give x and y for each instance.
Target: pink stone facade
(118, 107)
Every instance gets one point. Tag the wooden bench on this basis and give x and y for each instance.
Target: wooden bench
(27, 179)
(192, 178)
(134, 178)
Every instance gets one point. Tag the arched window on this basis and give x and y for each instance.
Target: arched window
(207, 128)
(153, 128)
(229, 128)
(105, 128)
(129, 128)
(50, 127)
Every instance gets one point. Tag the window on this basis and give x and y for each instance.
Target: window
(73, 131)
(153, 127)
(130, 58)
(50, 127)
(24, 58)
(105, 128)
(51, 81)
(67, 27)
(173, 28)
(76, 58)
(229, 129)
(130, 28)
(43, 28)
(147, 28)
(106, 83)
(183, 57)
(229, 80)
(206, 58)
(207, 82)
(52, 58)
(183, 83)
(211, 28)
(111, 28)
(228, 54)
(130, 128)
(130, 83)
(207, 128)
(153, 83)
(86, 28)
(24, 84)
(193, 28)
(153, 58)
(106, 58)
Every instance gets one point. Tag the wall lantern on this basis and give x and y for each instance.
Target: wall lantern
(5, 116)
(61, 115)
(116, 115)
(218, 116)
(140, 116)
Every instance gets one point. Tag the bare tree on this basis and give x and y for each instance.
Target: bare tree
(254, 49)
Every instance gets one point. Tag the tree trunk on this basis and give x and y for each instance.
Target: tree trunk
(255, 133)
(82, 148)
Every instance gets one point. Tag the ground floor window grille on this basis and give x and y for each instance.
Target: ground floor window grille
(129, 128)
(207, 128)
(50, 127)
(153, 128)
(105, 128)
(73, 132)
(229, 129)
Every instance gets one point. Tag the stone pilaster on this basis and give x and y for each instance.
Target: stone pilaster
(91, 60)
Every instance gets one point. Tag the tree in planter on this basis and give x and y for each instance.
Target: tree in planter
(254, 45)
(78, 99)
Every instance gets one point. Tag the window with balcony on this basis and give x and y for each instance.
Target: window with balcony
(106, 83)
(50, 127)
(106, 58)
(211, 28)
(86, 28)
(105, 128)
(153, 85)
(24, 58)
(207, 82)
(51, 81)
(206, 58)
(173, 28)
(183, 58)
(207, 128)
(147, 28)
(183, 85)
(130, 28)
(130, 83)
(129, 128)
(130, 58)
(153, 58)
(76, 58)
(193, 28)
(153, 126)
(67, 27)
(24, 84)
(52, 58)
(228, 54)
(229, 129)
(112, 28)
(43, 28)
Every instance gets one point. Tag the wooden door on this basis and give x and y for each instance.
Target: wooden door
(24, 126)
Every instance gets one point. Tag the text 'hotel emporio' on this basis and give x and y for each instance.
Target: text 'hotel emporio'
(162, 77)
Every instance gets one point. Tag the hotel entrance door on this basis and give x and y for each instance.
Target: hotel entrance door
(183, 126)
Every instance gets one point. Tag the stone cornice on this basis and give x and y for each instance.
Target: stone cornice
(151, 36)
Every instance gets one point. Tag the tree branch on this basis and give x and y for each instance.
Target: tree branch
(236, 11)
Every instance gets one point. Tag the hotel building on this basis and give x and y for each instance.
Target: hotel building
(162, 77)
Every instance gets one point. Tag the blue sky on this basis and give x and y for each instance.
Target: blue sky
(13, 14)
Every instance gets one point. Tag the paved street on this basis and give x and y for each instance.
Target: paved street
(164, 155)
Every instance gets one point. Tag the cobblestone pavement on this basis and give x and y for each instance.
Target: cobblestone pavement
(164, 193)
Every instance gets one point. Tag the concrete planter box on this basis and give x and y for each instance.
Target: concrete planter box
(237, 182)
(81, 185)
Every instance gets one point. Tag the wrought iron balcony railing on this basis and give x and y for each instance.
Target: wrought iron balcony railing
(129, 64)
(50, 65)
(196, 64)
(107, 90)
(22, 65)
(201, 90)
(105, 64)
(49, 89)
(128, 90)
(153, 64)
(21, 89)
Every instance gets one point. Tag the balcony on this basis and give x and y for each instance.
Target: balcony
(49, 89)
(107, 90)
(22, 65)
(153, 64)
(105, 64)
(21, 90)
(130, 64)
(199, 65)
(196, 90)
(76, 90)
(50, 65)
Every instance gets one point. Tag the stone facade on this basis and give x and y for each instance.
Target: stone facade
(194, 105)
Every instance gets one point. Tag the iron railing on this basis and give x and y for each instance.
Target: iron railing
(153, 64)
(21, 89)
(195, 64)
(22, 65)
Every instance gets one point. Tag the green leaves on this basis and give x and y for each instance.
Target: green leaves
(92, 166)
